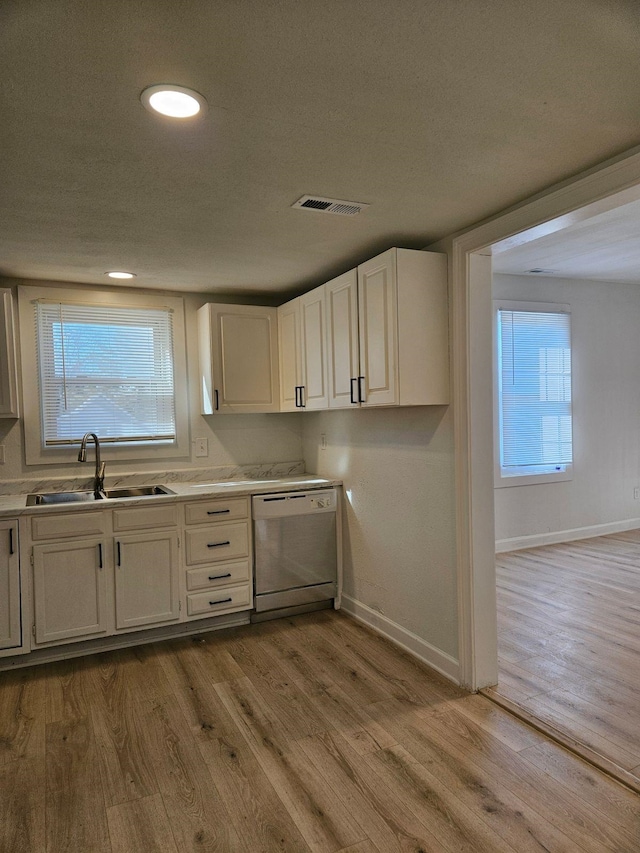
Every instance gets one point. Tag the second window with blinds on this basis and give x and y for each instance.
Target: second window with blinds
(534, 429)
(113, 366)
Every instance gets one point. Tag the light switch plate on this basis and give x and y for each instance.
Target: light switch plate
(201, 447)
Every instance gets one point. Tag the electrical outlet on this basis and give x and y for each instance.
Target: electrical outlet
(323, 441)
(201, 447)
(1, 454)
(636, 494)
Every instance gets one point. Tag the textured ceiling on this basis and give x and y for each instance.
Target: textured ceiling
(605, 247)
(437, 113)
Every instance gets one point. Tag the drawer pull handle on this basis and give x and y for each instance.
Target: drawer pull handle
(217, 511)
(217, 577)
(221, 601)
(100, 555)
(218, 544)
(11, 549)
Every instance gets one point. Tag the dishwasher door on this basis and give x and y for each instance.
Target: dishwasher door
(295, 547)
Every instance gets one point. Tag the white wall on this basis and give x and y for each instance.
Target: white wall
(605, 324)
(233, 439)
(397, 468)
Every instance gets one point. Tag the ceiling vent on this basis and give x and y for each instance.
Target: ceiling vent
(330, 205)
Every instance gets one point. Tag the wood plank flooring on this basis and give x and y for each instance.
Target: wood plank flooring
(569, 640)
(305, 734)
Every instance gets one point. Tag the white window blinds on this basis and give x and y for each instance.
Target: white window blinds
(105, 369)
(534, 385)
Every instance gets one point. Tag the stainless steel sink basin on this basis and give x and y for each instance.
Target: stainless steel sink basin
(61, 498)
(137, 492)
(47, 498)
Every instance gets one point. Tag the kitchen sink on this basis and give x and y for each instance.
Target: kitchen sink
(47, 498)
(137, 492)
(61, 498)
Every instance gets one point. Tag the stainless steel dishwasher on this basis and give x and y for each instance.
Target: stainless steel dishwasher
(296, 557)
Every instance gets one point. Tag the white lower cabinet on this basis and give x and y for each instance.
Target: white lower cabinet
(70, 590)
(218, 567)
(104, 572)
(10, 622)
(146, 579)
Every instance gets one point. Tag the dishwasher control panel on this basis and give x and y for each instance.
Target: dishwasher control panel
(294, 503)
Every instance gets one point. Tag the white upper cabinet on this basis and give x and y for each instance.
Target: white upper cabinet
(238, 348)
(378, 326)
(388, 332)
(290, 355)
(302, 346)
(343, 356)
(8, 373)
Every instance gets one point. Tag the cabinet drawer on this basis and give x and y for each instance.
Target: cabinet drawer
(219, 601)
(67, 524)
(222, 574)
(218, 542)
(136, 518)
(219, 510)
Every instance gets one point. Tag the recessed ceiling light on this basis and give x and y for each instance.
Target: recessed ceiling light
(117, 274)
(173, 101)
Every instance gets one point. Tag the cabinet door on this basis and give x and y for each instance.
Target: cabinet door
(313, 318)
(341, 296)
(69, 586)
(378, 324)
(146, 579)
(8, 375)
(289, 355)
(10, 625)
(239, 359)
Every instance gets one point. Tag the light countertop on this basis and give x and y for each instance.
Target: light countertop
(15, 505)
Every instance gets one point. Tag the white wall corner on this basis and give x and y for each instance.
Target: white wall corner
(416, 646)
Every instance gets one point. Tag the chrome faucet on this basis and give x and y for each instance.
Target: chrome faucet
(98, 481)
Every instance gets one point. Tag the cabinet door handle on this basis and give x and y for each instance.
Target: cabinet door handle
(221, 601)
(10, 540)
(215, 398)
(99, 555)
(302, 401)
(119, 561)
(217, 577)
(353, 399)
(218, 544)
(361, 398)
(297, 388)
(217, 511)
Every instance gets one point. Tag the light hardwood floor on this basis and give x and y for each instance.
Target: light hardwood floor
(305, 734)
(569, 640)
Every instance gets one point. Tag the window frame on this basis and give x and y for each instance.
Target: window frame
(35, 451)
(501, 480)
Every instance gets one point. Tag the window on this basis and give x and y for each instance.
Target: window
(534, 392)
(107, 370)
(116, 368)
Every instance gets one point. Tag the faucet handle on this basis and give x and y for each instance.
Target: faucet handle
(100, 476)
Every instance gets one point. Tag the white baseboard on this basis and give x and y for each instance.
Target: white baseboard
(416, 646)
(518, 543)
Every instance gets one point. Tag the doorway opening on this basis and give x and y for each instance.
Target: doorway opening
(567, 621)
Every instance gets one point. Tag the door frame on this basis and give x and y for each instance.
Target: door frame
(609, 185)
